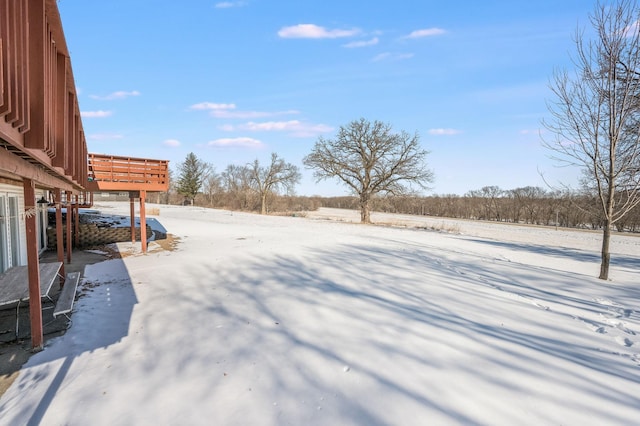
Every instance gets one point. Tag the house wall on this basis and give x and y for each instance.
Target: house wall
(13, 252)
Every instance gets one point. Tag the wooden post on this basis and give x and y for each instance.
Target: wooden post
(35, 304)
(132, 208)
(76, 217)
(59, 233)
(69, 213)
(143, 221)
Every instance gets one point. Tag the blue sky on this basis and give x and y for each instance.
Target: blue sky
(233, 81)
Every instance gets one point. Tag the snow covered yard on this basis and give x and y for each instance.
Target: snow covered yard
(281, 320)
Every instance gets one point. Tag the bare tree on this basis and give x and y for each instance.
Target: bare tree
(236, 182)
(369, 159)
(596, 114)
(528, 199)
(489, 197)
(277, 176)
(212, 185)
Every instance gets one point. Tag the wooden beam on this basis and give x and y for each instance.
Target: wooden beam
(37, 136)
(18, 167)
(69, 213)
(4, 91)
(59, 234)
(76, 218)
(132, 210)
(126, 186)
(35, 303)
(62, 111)
(143, 221)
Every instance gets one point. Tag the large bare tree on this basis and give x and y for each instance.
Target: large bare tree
(596, 113)
(278, 176)
(236, 183)
(212, 186)
(370, 159)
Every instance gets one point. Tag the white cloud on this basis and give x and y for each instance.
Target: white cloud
(229, 4)
(311, 130)
(314, 31)
(172, 143)
(631, 30)
(249, 114)
(444, 132)
(96, 114)
(363, 43)
(236, 142)
(294, 127)
(271, 125)
(228, 111)
(428, 32)
(104, 136)
(212, 106)
(386, 56)
(115, 95)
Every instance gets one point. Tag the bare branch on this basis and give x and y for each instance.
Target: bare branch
(278, 176)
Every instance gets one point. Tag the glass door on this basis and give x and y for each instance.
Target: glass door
(14, 231)
(9, 231)
(4, 239)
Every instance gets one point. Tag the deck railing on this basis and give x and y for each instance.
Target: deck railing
(115, 173)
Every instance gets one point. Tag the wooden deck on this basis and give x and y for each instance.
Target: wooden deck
(115, 173)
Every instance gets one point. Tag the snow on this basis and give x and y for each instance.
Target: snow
(289, 320)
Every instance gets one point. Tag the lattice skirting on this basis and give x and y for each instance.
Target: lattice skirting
(92, 235)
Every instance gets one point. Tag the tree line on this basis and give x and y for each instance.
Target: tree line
(251, 187)
(527, 205)
(532, 205)
(367, 157)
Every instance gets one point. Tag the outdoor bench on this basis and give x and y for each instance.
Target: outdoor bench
(67, 296)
